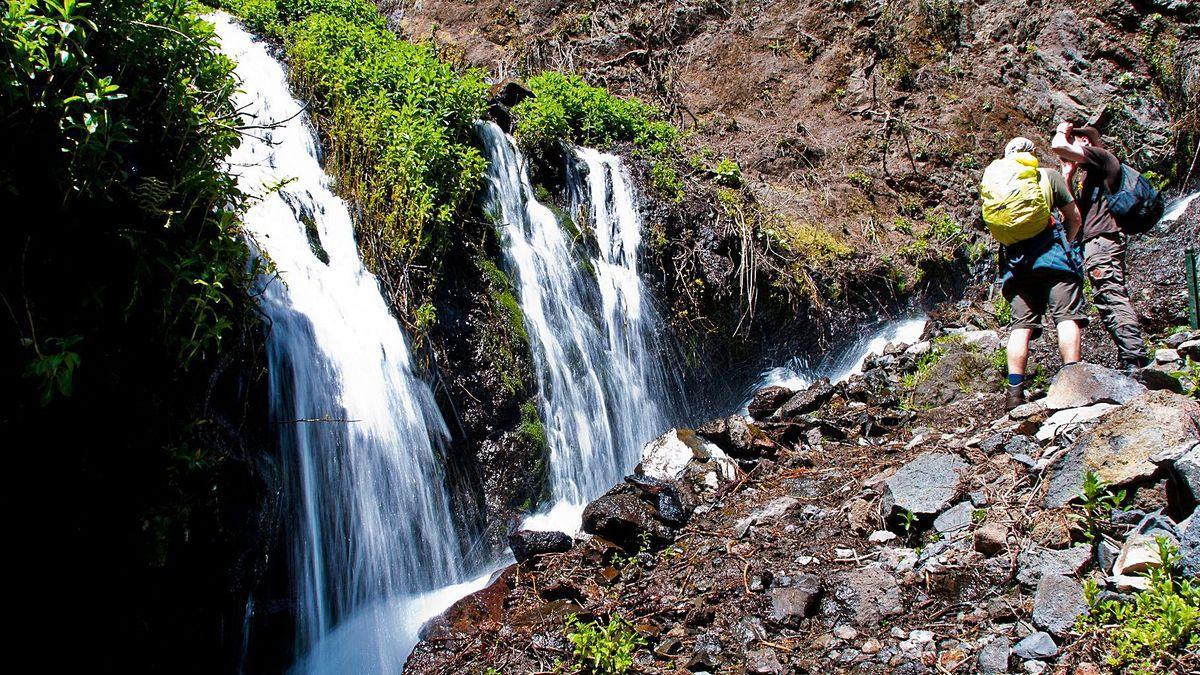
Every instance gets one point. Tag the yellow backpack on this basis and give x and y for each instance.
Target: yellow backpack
(1016, 198)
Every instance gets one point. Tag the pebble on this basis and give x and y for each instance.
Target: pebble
(845, 632)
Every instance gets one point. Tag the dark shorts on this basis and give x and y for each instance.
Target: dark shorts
(1035, 295)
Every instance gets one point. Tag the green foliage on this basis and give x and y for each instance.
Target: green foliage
(604, 649)
(1003, 311)
(943, 19)
(1189, 377)
(54, 366)
(531, 427)
(728, 173)
(1148, 634)
(859, 179)
(1098, 503)
(565, 107)
(907, 520)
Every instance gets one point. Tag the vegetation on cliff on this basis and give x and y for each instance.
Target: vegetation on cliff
(130, 335)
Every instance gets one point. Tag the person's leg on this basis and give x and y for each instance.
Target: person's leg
(1028, 298)
(1104, 258)
(1068, 310)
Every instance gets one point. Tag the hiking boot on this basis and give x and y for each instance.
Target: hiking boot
(1015, 397)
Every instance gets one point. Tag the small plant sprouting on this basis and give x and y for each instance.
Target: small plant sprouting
(604, 650)
(907, 520)
(1098, 502)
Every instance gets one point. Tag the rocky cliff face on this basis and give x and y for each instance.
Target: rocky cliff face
(898, 522)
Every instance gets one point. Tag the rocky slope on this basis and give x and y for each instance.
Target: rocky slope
(898, 522)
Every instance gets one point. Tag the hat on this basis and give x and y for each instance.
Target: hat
(1092, 134)
(1018, 144)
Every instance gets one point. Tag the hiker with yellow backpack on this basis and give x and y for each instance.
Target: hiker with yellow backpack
(1040, 272)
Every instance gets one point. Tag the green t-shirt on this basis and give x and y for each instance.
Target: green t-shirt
(1060, 192)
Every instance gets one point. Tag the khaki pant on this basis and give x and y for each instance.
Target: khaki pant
(1104, 260)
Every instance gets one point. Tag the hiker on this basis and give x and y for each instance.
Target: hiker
(1097, 176)
(1040, 273)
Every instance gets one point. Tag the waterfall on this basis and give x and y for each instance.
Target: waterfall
(604, 391)
(798, 373)
(371, 532)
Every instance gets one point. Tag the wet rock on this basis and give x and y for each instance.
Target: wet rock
(1120, 447)
(772, 512)
(1037, 645)
(993, 658)
(791, 604)
(991, 538)
(954, 518)
(1058, 602)
(1085, 384)
(1033, 564)
(924, 486)
(763, 661)
(767, 401)
(737, 437)
(526, 544)
(625, 520)
(674, 507)
(706, 653)
(485, 606)
(806, 401)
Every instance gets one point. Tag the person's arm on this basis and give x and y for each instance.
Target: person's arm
(1064, 148)
(1072, 219)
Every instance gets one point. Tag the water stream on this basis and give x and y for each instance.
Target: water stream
(604, 391)
(370, 527)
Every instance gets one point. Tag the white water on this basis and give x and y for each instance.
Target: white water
(371, 530)
(603, 389)
(797, 373)
(1176, 208)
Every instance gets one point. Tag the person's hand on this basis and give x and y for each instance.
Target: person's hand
(1066, 128)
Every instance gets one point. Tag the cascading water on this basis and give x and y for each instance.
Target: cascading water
(798, 373)
(359, 433)
(604, 390)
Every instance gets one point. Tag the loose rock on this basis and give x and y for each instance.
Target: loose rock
(1084, 384)
(925, 485)
(1059, 601)
(526, 544)
(1037, 645)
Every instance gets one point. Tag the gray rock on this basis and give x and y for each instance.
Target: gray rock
(1058, 602)
(773, 511)
(1188, 470)
(526, 544)
(925, 486)
(991, 538)
(1119, 449)
(1085, 384)
(763, 661)
(790, 605)
(1106, 555)
(1166, 356)
(869, 594)
(1189, 547)
(954, 518)
(1033, 564)
(1037, 645)
(993, 658)
(624, 519)
(1190, 349)
(767, 401)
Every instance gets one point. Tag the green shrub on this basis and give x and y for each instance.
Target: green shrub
(604, 650)
(728, 173)
(1158, 626)
(1098, 503)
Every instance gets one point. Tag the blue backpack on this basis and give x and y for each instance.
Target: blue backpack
(1136, 205)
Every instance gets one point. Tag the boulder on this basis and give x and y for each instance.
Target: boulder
(682, 451)
(1037, 645)
(1035, 563)
(791, 604)
(1166, 356)
(484, 606)
(1187, 468)
(673, 505)
(1120, 447)
(954, 518)
(957, 374)
(526, 544)
(1085, 384)
(1189, 547)
(766, 401)
(1058, 602)
(993, 658)
(732, 434)
(924, 486)
(988, 340)
(806, 401)
(624, 519)
(1064, 418)
(1190, 349)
